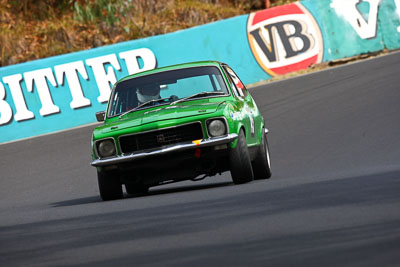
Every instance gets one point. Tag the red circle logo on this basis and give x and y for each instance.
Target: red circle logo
(284, 39)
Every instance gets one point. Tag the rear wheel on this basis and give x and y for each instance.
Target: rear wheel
(262, 163)
(136, 188)
(239, 161)
(109, 185)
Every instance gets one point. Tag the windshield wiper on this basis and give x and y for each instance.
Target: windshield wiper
(204, 93)
(142, 105)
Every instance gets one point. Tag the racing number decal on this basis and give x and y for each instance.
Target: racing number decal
(252, 127)
(241, 91)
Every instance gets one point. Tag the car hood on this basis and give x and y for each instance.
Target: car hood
(162, 113)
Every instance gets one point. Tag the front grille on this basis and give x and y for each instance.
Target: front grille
(162, 137)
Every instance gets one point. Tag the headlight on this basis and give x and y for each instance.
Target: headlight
(216, 128)
(106, 148)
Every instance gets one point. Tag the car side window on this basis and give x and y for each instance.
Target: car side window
(241, 90)
(232, 85)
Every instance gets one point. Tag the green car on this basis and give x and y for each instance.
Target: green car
(176, 123)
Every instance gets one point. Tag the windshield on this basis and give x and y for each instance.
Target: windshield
(165, 88)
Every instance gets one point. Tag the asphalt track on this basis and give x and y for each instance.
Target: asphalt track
(333, 200)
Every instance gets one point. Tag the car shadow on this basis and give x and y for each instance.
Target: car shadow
(153, 192)
(161, 191)
(77, 201)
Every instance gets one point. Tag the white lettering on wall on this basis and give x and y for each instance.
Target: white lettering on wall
(397, 2)
(103, 78)
(69, 75)
(22, 113)
(5, 109)
(348, 9)
(131, 59)
(71, 71)
(40, 78)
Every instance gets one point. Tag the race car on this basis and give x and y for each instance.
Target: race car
(176, 123)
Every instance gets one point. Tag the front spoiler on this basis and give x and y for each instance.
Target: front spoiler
(167, 149)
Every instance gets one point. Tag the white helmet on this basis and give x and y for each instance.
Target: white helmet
(148, 92)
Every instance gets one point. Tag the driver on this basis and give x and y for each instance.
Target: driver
(148, 92)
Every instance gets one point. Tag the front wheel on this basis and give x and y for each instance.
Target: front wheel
(109, 186)
(262, 163)
(239, 161)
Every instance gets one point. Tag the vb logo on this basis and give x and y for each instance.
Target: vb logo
(284, 39)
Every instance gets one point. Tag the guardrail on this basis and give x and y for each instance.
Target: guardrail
(63, 92)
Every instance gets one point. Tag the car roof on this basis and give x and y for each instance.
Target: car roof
(173, 67)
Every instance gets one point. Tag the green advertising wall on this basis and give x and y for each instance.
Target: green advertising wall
(353, 27)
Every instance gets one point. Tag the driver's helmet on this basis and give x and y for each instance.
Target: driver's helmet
(148, 92)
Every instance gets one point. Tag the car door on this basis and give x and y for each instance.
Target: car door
(249, 108)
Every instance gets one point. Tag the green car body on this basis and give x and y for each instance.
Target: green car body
(176, 138)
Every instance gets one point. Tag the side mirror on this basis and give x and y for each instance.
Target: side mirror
(100, 116)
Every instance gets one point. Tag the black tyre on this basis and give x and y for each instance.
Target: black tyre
(135, 188)
(109, 185)
(262, 163)
(239, 161)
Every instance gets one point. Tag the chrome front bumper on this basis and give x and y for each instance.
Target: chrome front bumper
(167, 149)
